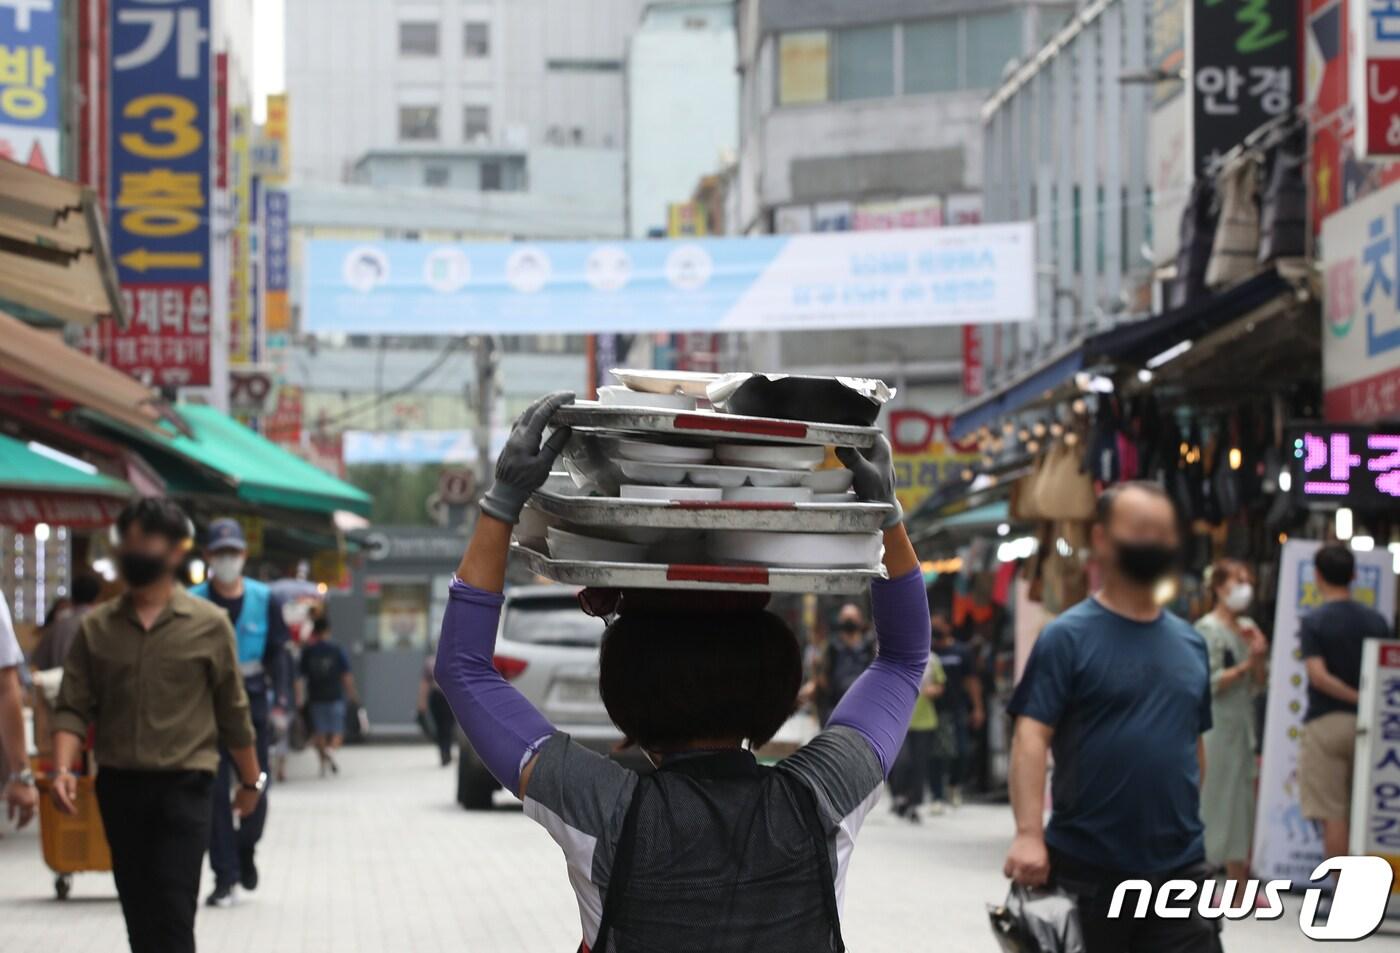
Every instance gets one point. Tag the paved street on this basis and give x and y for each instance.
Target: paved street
(381, 859)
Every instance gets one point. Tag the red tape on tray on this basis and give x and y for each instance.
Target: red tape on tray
(764, 428)
(729, 575)
(734, 504)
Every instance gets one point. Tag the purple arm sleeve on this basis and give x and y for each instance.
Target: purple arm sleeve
(500, 723)
(881, 702)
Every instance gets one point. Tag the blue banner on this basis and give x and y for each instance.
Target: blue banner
(162, 119)
(277, 232)
(30, 34)
(907, 278)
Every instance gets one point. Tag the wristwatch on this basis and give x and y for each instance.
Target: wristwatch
(259, 785)
(25, 778)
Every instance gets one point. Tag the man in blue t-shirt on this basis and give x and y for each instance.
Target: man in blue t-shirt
(1119, 690)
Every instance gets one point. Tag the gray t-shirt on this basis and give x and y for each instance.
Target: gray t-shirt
(581, 798)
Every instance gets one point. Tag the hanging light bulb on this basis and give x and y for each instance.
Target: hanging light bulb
(1236, 458)
(1344, 523)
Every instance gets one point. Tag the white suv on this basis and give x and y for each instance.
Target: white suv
(548, 649)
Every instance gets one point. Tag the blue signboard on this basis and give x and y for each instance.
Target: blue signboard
(160, 167)
(29, 75)
(277, 230)
(908, 278)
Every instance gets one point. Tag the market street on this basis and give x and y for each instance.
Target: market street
(381, 859)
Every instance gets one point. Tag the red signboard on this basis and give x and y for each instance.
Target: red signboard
(974, 374)
(167, 342)
(23, 511)
(1375, 78)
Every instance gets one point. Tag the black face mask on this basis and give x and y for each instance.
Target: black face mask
(849, 628)
(1144, 563)
(140, 569)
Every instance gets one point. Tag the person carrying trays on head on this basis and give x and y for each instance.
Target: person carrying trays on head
(712, 851)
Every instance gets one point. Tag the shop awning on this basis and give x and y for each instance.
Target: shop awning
(220, 452)
(37, 488)
(34, 358)
(1029, 387)
(55, 264)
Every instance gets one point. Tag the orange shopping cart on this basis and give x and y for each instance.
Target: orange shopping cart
(72, 844)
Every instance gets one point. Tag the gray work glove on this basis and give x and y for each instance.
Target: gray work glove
(524, 464)
(874, 476)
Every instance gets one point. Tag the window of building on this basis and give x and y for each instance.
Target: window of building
(418, 123)
(864, 62)
(418, 39)
(476, 123)
(931, 56)
(476, 40)
(992, 40)
(491, 176)
(804, 67)
(436, 176)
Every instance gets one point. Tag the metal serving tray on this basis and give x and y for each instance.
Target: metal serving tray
(713, 515)
(725, 427)
(676, 576)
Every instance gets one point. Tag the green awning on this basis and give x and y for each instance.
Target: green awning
(22, 470)
(258, 470)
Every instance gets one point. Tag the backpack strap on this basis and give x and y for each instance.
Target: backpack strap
(807, 800)
(621, 874)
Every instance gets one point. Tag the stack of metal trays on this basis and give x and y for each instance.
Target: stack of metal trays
(656, 497)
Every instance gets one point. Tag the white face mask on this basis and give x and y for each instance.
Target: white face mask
(1239, 597)
(227, 569)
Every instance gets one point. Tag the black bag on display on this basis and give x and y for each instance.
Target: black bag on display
(1037, 921)
(1283, 217)
(1197, 239)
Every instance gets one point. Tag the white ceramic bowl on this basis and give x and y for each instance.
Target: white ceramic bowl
(633, 491)
(625, 397)
(769, 494)
(799, 550)
(566, 545)
(829, 481)
(774, 456)
(653, 474)
(848, 497)
(648, 452)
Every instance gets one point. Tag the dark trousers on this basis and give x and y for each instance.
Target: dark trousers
(951, 768)
(911, 768)
(226, 844)
(1094, 887)
(157, 828)
(443, 722)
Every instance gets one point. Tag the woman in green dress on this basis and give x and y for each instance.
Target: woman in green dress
(1237, 671)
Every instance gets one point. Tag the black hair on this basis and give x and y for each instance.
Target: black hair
(86, 588)
(668, 680)
(320, 620)
(157, 517)
(1103, 508)
(1335, 564)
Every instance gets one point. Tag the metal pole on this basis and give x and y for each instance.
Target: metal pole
(485, 401)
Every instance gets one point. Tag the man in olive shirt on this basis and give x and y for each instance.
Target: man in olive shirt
(156, 673)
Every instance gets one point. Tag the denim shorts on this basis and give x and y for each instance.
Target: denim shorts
(328, 718)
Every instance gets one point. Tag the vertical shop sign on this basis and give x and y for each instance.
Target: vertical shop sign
(160, 170)
(276, 246)
(29, 98)
(275, 159)
(1375, 810)
(974, 369)
(1287, 846)
(1375, 77)
(240, 330)
(1244, 65)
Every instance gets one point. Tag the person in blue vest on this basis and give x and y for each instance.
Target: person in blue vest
(262, 641)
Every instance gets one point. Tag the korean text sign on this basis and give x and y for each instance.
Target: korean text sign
(903, 278)
(29, 77)
(1375, 77)
(1376, 787)
(1244, 70)
(1351, 466)
(1361, 309)
(161, 114)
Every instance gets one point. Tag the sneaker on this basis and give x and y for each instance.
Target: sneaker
(335, 768)
(446, 757)
(247, 870)
(935, 808)
(222, 897)
(955, 797)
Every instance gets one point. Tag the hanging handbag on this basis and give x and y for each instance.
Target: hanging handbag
(1065, 491)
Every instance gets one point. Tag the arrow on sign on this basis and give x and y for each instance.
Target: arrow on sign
(143, 259)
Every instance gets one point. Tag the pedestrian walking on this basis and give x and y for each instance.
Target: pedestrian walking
(1119, 690)
(1237, 650)
(912, 769)
(689, 688)
(325, 672)
(846, 658)
(435, 713)
(59, 633)
(262, 637)
(21, 796)
(155, 672)
(960, 712)
(1331, 637)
